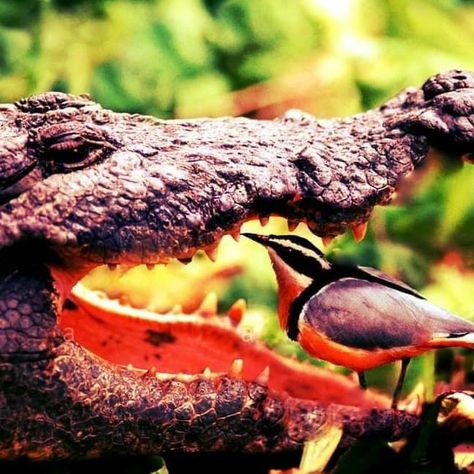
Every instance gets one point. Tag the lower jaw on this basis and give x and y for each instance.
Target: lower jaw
(146, 342)
(77, 406)
(144, 383)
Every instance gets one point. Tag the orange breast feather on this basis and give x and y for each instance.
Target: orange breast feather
(319, 346)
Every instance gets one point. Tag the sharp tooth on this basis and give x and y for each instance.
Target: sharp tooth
(130, 367)
(237, 311)
(177, 309)
(292, 225)
(112, 266)
(207, 372)
(327, 241)
(151, 372)
(237, 367)
(235, 234)
(313, 227)
(262, 379)
(150, 266)
(185, 261)
(124, 300)
(208, 306)
(211, 252)
(263, 220)
(359, 231)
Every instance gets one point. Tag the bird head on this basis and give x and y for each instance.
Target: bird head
(296, 262)
(296, 252)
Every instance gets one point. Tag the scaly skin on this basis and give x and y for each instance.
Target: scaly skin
(82, 186)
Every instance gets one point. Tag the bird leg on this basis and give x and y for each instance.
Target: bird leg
(362, 380)
(401, 379)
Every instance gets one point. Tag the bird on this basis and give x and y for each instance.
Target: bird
(355, 316)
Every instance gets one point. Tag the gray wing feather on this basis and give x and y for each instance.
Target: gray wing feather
(369, 315)
(373, 272)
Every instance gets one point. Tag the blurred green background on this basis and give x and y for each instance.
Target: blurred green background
(188, 58)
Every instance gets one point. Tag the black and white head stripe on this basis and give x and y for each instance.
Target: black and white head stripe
(297, 252)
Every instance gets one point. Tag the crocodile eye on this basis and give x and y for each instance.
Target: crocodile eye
(72, 146)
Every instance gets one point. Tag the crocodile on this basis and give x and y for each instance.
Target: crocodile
(81, 186)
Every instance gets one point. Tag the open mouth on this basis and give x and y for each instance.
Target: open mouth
(190, 379)
(121, 189)
(168, 321)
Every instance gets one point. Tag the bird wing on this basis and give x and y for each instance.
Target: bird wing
(362, 314)
(372, 274)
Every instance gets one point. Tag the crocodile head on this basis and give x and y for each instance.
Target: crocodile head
(101, 187)
(82, 186)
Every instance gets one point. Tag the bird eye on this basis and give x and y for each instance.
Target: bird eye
(72, 146)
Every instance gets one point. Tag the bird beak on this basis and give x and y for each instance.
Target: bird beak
(261, 239)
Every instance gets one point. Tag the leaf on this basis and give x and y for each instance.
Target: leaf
(457, 204)
(162, 469)
(420, 447)
(317, 453)
(367, 456)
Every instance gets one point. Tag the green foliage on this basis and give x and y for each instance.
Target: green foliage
(163, 57)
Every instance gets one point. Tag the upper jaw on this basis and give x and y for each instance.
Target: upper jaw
(187, 186)
(150, 190)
